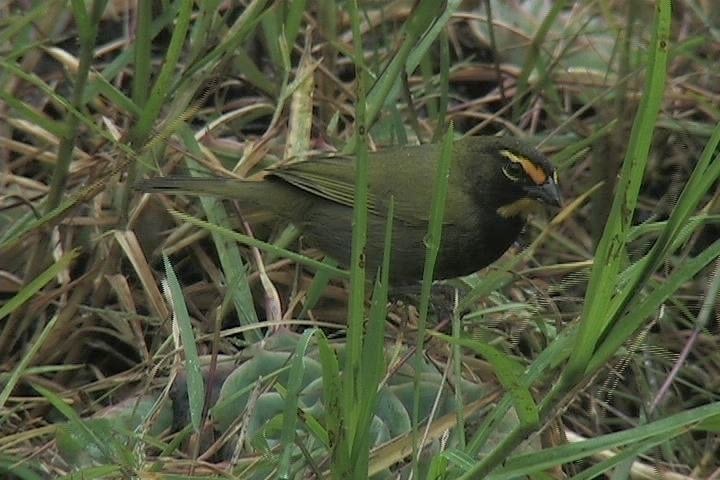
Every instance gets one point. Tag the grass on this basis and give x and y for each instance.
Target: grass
(144, 335)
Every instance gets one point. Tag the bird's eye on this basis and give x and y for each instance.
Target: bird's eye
(513, 171)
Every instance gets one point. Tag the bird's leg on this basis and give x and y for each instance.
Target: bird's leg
(443, 299)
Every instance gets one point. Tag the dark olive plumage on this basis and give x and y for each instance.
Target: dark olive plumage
(492, 182)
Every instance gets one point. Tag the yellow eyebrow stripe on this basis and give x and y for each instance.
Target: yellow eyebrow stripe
(535, 173)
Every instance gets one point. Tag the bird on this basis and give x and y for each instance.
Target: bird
(494, 183)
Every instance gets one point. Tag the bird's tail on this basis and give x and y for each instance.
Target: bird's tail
(256, 196)
(201, 186)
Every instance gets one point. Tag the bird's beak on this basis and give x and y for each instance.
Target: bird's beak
(547, 193)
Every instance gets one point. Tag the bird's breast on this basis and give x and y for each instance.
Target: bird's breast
(466, 250)
(465, 247)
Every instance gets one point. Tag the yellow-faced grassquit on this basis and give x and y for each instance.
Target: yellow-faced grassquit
(493, 183)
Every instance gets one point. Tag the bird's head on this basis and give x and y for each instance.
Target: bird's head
(520, 179)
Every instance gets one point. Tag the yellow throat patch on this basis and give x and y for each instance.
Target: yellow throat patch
(524, 206)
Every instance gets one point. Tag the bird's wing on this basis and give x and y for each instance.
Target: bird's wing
(329, 177)
(399, 173)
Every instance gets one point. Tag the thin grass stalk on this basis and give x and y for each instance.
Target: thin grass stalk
(444, 84)
(207, 18)
(424, 14)
(233, 265)
(604, 161)
(160, 91)
(534, 54)
(373, 356)
(191, 364)
(457, 327)
(292, 403)
(434, 238)
(143, 54)
(356, 305)
(87, 26)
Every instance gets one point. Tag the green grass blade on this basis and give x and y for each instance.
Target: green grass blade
(533, 58)
(437, 211)
(373, 356)
(356, 305)
(90, 436)
(233, 265)
(292, 402)
(37, 283)
(634, 318)
(660, 430)
(611, 249)
(509, 373)
(161, 88)
(195, 382)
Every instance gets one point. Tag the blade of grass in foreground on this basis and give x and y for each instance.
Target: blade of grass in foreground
(38, 283)
(20, 468)
(611, 250)
(232, 262)
(332, 394)
(88, 435)
(635, 317)
(195, 382)
(352, 364)
(437, 211)
(373, 357)
(509, 373)
(426, 20)
(21, 367)
(292, 403)
(704, 175)
(658, 431)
